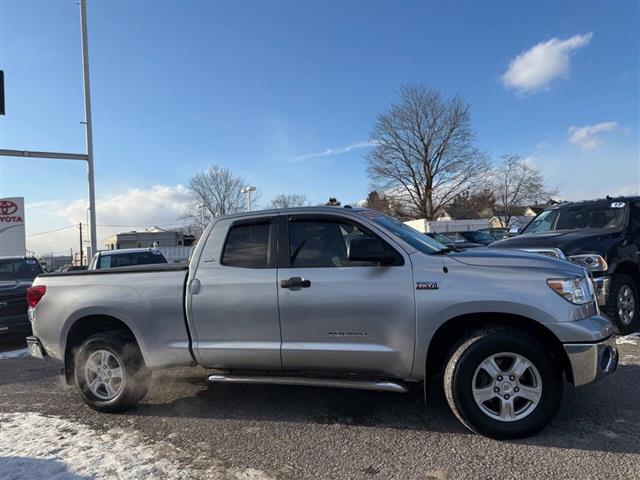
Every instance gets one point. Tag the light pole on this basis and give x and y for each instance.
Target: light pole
(88, 124)
(248, 191)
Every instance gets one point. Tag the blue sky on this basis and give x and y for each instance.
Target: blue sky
(261, 87)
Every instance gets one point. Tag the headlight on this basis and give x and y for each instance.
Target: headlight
(591, 261)
(576, 290)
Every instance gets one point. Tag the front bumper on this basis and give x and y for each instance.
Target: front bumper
(592, 361)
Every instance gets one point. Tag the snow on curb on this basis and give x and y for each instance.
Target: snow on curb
(631, 339)
(23, 352)
(35, 446)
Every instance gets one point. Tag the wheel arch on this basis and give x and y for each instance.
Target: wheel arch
(449, 333)
(84, 327)
(628, 268)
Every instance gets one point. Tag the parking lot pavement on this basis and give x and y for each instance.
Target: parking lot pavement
(185, 428)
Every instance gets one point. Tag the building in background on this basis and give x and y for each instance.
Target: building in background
(175, 246)
(12, 232)
(150, 237)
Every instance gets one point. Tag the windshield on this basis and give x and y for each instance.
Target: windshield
(19, 269)
(478, 237)
(413, 237)
(603, 215)
(440, 238)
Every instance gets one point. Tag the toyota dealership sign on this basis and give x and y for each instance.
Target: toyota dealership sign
(12, 236)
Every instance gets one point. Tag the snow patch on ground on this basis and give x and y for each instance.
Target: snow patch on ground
(23, 352)
(631, 339)
(630, 360)
(36, 446)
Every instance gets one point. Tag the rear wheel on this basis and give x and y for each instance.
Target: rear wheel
(503, 384)
(110, 372)
(623, 306)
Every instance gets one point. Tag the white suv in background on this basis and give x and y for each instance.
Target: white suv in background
(126, 257)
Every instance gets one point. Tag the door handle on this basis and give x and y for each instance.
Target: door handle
(294, 282)
(194, 286)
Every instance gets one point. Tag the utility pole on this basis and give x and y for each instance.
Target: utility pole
(80, 244)
(88, 124)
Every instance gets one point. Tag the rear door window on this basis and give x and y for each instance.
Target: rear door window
(247, 246)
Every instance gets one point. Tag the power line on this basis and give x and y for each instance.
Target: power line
(145, 226)
(51, 231)
(114, 225)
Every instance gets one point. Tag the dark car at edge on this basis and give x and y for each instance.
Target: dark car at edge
(16, 276)
(604, 237)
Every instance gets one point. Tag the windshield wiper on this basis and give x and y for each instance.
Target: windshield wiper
(444, 250)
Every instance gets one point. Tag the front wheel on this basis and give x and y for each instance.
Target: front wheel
(110, 372)
(623, 306)
(503, 384)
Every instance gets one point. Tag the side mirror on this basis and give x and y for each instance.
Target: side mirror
(513, 231)
(370, 250)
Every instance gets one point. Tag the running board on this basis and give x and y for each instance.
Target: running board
(379, 385)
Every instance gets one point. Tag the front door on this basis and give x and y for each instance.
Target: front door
(234, 303)
(339, 315)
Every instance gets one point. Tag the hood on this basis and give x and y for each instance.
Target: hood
(571, 242)
(465, 245)
(493, 257)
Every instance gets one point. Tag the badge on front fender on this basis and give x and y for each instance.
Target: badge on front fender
(427, 286)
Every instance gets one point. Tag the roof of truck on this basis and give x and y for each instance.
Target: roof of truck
(597, 200)
(320, 208)
(128, 250)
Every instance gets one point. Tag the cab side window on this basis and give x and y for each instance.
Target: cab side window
(247, 246)
(323, 243)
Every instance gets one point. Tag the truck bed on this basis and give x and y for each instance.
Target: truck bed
(134, 269)
(148, 299)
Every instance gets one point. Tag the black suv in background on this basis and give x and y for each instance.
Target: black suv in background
(16, 275)
(604, 237)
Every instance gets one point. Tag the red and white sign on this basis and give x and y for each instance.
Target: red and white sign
(12, 233)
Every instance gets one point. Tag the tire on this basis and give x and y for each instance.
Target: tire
(623, 289)
(102, 385)
(464, 371)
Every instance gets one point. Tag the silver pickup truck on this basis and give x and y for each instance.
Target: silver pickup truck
(334, 297)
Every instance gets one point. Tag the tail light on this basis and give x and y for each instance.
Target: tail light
(34, 294)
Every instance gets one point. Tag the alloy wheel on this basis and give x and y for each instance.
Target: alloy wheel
(507, 386)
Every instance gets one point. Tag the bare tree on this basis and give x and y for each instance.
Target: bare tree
(472, 204)
(425, 153)
(216, 192)
(517, 183)
(288, 201)
(385, 204)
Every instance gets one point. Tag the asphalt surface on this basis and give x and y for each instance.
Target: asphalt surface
(305, 433)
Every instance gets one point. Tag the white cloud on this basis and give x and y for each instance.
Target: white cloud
(587, 137)
(333, 151)
(534, 69)
(161, 205)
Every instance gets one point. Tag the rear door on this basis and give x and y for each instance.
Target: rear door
(338, 315)
(233, 297)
